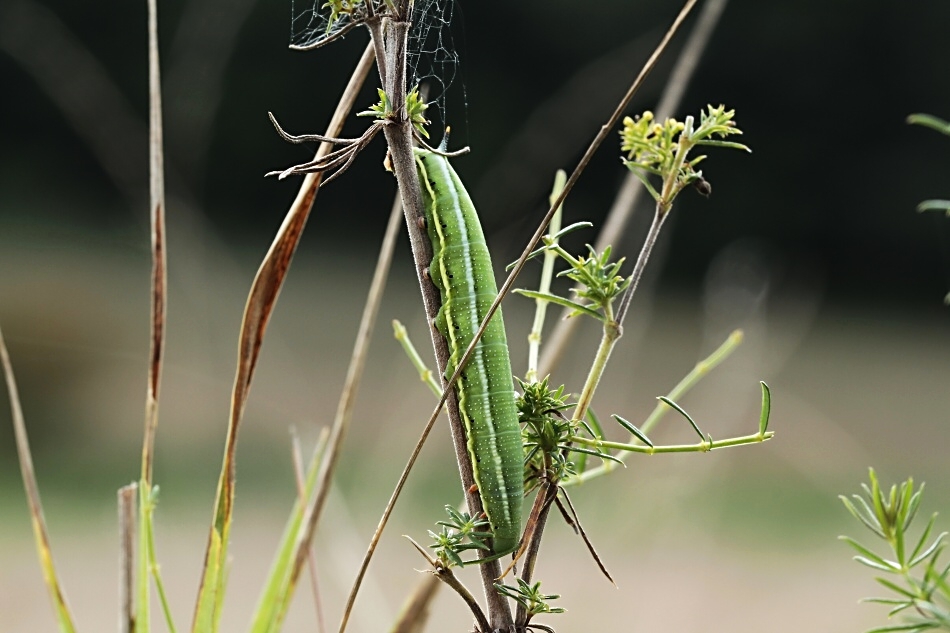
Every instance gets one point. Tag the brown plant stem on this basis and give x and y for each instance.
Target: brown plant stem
(539, 513)
(389, 38)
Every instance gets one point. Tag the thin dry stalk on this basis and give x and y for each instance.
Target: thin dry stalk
(624, 205)
(260, 305)
(127, 526)
(40, 533)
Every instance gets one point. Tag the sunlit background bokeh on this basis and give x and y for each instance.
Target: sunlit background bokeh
(811, 245)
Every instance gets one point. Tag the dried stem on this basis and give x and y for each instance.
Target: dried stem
(539, 515)
(389, 38)
(127, 507)
(446, 576)
(157, 217)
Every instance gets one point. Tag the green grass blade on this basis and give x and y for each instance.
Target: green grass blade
(154, 570)
(896, 588)
(912, 508)
(913, 626)
(211, 583)
(873, 564)
(865, 514)
(274, 600)
(143, 593)
(922, 541)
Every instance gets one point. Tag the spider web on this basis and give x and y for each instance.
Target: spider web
(432, 61)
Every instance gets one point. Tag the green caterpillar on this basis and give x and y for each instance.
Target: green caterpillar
(461, 269)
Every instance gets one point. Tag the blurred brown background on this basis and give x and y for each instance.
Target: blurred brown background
(811, 245)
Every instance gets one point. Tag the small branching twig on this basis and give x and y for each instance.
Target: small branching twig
(442, 565)
(425, 374)
(530, 601)
(544, 287)
(701, 369)
(338, 160)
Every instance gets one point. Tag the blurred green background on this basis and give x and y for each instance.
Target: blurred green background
(811, 245)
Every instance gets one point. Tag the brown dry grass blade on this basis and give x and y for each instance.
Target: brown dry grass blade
(570, 516)
(158, 285)
(260, 304)
(63, 614)
(157, 219)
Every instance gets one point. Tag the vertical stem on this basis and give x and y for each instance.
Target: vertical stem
(390, 36)
(547, 272)
(612, 333)
(542, 506)
(613, 328)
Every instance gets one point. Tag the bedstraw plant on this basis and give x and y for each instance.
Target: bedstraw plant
(912, 571)
(512, 445)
